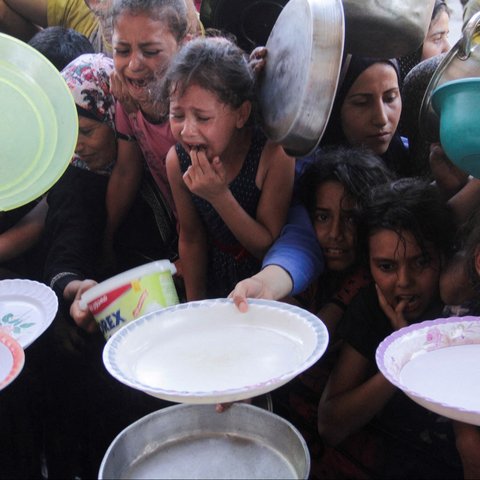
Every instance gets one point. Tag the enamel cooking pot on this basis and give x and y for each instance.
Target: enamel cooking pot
(249, 20)
(462, 61)
(386, 29)
(298, 86)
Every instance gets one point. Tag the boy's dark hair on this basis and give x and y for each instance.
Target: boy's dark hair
(61, 45)
(172, 12)
(215, 64)
(410, 205)
(356, 169)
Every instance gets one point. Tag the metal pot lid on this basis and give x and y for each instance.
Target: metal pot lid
(298, 86)
(462, 61)
(251, 21)
(386, 29)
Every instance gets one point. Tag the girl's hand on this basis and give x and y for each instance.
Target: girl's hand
(395, 315)
(205, 179)
(257, 60)
(250, 287)
(120, 92)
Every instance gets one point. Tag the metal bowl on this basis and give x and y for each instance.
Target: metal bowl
(194, 441)
(386, 29)
(300, 80)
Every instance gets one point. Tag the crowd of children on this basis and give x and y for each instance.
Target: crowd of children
(171, 162)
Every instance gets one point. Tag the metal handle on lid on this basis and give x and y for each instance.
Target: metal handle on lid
(468, 37)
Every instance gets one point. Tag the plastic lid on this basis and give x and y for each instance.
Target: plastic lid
(125, 277)
(38, 125)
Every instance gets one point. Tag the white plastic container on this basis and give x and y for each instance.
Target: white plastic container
(131, 294)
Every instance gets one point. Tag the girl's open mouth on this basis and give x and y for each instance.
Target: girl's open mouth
(411, 301)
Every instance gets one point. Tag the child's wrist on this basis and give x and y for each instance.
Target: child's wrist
(336, 301)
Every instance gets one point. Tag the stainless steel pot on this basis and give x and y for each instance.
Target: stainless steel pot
(301, 75)
(386, 28)
(462, 61)
(194, 441)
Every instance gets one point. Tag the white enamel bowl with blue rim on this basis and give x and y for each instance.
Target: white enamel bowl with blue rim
(437, 364)
(209, 352)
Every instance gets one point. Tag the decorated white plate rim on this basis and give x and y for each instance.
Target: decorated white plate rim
(18, 359)
(425, 325)
(37, 293)
(311, 320)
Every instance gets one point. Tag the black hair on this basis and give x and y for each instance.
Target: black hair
(172, 12)
(215, 64)
(410, 205)
(358, 170)
(61, 45)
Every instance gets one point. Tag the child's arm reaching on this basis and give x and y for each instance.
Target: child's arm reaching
(274, 179)
(351, 399)
(192, 244)
(468, 445)
(122, 187)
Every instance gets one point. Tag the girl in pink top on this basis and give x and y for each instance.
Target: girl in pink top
(146, 36)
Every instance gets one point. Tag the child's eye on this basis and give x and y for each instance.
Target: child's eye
(176, 116)
(202, 118)
(321, 217)
(85, 131)
(386, 267)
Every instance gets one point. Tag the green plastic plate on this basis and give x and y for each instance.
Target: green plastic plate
(38, 124)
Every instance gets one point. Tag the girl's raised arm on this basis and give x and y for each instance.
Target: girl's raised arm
(192, 244)
(275, 179)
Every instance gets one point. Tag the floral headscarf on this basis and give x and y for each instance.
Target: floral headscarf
(88, 78)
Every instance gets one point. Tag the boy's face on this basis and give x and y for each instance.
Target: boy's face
(404, 273)
(334, 225)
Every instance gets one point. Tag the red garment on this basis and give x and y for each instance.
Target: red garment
(198, 3)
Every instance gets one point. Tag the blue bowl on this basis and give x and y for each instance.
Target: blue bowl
(458, 105)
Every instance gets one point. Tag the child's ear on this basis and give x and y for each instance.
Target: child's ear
(243, 113)
(477, 260)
